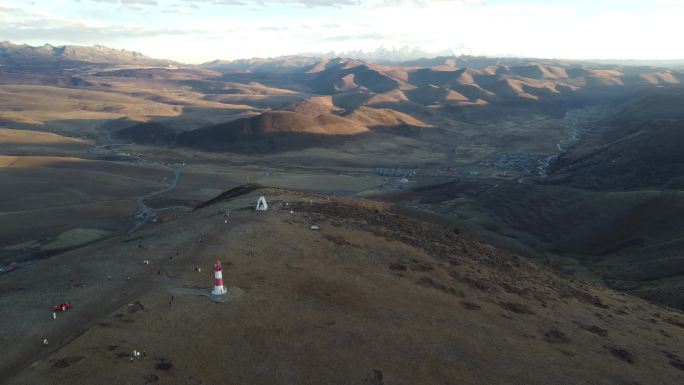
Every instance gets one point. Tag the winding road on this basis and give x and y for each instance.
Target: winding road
(576, 119)
(573, 123)
(146, 214)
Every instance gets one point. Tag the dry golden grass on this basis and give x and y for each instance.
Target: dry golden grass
(384, 117)
(171, 94)
(36, 161)
(395, 96)
(350, 303)
(39, 104)
(314, 106)
(34, 104)
(10, 136)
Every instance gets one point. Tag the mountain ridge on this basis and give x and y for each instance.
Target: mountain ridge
(383, 288)
(98, 54)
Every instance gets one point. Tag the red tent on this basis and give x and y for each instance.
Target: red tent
(62, 307)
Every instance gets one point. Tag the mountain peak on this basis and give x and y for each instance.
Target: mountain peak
(11, 53)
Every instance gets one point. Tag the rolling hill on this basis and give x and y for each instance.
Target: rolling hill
(576, 165)
(314, 106)
(629, 240)
(271, 131)
(373, 117)
(351, 302)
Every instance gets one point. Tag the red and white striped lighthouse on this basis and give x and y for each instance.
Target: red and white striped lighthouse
(218, 280)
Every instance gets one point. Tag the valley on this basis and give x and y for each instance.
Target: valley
(537, 201)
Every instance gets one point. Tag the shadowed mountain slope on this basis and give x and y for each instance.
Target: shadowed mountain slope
(641, 145)
(351, 302)
(272, 131)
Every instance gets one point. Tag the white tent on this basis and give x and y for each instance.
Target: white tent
(261, 204)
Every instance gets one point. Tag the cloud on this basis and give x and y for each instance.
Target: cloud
(179, 10)
(423, 3)
(137, 5)
(200, 30)
(130, 5)
(304, 3)
(363, 36)
(81, 33)
(273, 28)
(217, 2)
(11, 12)
(139, 2)
(336, 3)
(128, 2)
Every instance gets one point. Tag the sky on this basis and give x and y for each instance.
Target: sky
(196, 31)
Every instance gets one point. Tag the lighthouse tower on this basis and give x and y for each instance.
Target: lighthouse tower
(218, 280)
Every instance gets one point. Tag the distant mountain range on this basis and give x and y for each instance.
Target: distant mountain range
(387, 55)
(23, 54)
(413, 57)
(355, 98)
(304, 63)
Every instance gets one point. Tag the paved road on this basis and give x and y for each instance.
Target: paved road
(146, 212)
(109, 142)
(572, 125)
(576, 120)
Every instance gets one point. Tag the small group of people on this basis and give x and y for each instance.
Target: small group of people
(225, 214)
(137, 354)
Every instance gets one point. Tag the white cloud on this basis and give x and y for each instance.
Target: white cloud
(305, 3)
(335, 3)
(201, 30)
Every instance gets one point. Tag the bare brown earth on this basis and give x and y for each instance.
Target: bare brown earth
(45, 196)
(243, 119)
(371, 297)
(628, 240)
